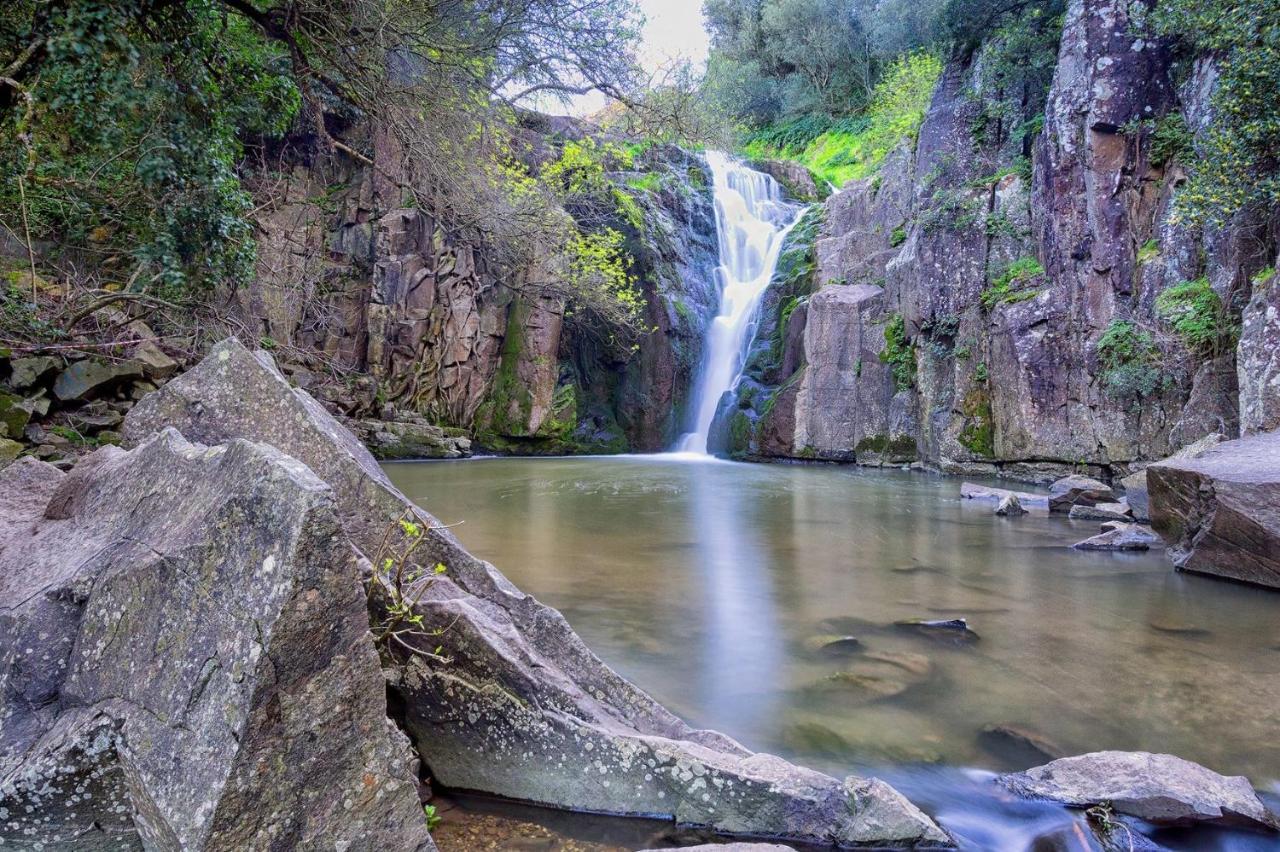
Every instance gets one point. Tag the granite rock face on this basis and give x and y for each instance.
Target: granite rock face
(185, 635)
(1008, 259)
(1159, 788)
(525, 709)
(1220, 509)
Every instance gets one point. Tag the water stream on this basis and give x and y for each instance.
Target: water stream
(707, 584)
(752, 222)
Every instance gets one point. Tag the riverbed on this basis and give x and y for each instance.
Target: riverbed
(722, 588)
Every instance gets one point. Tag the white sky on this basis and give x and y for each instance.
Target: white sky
(673, 30)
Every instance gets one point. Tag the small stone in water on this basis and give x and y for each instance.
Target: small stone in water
(833, 645)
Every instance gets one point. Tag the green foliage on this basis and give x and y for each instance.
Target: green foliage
(1148, 251)
(899, 353)
(1007, 288)
(400, 583)
(1235, 165)
(898, 237)
(1132, 364)
(135, 126)
(978, 432)
(1171, 138)
(1198, 317)
(854, 148)
(433, 818)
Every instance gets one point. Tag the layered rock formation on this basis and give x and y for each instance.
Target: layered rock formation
(1220, 509)
(447, 333)
(524, 709)
(1016, 273)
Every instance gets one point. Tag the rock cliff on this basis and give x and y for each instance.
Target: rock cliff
(999, 298)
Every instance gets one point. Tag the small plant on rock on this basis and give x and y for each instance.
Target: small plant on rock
(1132, 363)
(899, 354)
(403, 582)
(1198, 317)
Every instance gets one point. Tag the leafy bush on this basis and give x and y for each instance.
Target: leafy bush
(1196, 314)
(899, 353)
(1132, 363)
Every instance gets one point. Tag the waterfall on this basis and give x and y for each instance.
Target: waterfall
(752, 221)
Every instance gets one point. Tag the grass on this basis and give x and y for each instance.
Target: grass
(838, 151)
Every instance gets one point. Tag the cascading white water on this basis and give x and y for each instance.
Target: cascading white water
(752, 221)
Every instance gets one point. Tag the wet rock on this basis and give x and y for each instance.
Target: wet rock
(730, 847)
(192, 619)
(832, 645)
(1010, 506)
(412, 440)
(25, 372)
(1077, 490)
(1019, 744)
(1220, 510)
(1135, 485)
(525, 709)
(949, 631)
(1177, 628)
(1159, 788)
(1102, 512)
(971, 491)
(85, 378)
(1124, 537)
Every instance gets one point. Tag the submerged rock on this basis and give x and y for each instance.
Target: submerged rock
(971, 491)
(1220, 510)
(525, 709)
(832, 645)
(1019, 743)
(185, 634)
(1159, 788)
(1077, 490)
(1123, 537)
(950, 631)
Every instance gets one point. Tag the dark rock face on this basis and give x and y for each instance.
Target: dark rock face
(525, 709)
(446, 332)
(1159, 788)
(1076, 490)
(1009, 370)
(185, 633)
(1220, 510)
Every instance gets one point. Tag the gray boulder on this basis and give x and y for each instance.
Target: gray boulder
(185, 636)
(25, 372)
(1124, 536)
(972, 491)
(1159, 788)
(525, 709)
(1220, 510)
(85, 378)
(1077, 490)
(1135, 484)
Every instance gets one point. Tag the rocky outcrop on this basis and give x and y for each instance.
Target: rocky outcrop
(1020, 269)
(186, 659)
(1220, 509)
(1258, 363)
(1158, 788)
(525, 709)
(1135, 484)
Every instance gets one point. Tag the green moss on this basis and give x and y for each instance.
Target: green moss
(1009, 286)
(1132, 364)
(510, 403)
(890, 447)
(978, 432)
(898, 237)
(899, 353)
(1149, 251)
(740, 433)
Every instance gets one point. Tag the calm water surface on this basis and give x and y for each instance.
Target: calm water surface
(708, 584)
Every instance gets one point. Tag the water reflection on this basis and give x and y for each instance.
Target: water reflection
(707, 584)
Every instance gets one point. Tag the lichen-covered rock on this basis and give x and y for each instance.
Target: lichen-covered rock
(525, 709)
(1159, 788)
(1220, 509)
(1101, 512)
(1258, 359)
(184, 631)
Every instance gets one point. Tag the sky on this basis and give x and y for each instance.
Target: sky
(673, 30)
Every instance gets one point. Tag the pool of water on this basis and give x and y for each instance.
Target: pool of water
(714, 586)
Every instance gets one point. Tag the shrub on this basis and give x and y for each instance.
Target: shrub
(1132, 363)
(1196, 314)
(899, 353)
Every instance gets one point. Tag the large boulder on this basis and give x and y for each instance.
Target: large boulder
(1135, 484)
(1159, 788)
(524, 709)
(185, 639)
(1220, 510)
